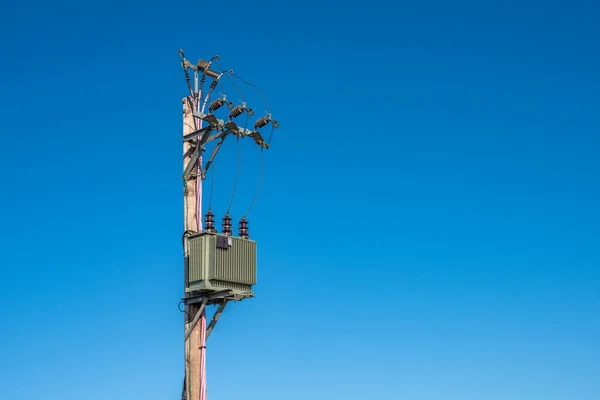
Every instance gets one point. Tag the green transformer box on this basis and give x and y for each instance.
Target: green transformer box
(220, 263)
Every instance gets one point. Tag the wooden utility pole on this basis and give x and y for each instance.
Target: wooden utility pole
(189, 189)
(195, 328)
(235, 257)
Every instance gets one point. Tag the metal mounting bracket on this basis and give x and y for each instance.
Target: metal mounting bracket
(222, 136)
(204, 132)
(212, 297)
(195, 320)
(215, 318)
(214, 122)
(191, 164)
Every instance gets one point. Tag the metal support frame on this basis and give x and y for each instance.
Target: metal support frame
(212, 298)
(189, 168)
(213, 321)
(221, 136)
(195, 320)
(215, 318)
(214, 154)
(223, 129)
(215, 297)
(201, 132)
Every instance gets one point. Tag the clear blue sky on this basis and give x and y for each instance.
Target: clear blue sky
(428, 227)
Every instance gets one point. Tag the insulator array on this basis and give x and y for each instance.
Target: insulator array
(261, 122)
(209, 222)
(187, 77)
(227, 225)
(236, 112)
(215, 105)
(244, 229)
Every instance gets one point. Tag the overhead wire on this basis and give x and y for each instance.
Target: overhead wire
(255, 87)
(237, 175)
(271, 134)
(239, 167)
(259, 183)
(228, 75)
(262, 149)
(222, 88)
(263, 98)
(212, 87)
(212, 185)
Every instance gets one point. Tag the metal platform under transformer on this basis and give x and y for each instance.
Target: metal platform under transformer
(219, 267)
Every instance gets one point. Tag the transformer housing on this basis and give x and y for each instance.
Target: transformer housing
(219, 262)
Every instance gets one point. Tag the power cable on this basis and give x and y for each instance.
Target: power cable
(212, 185)
(212, 87)
(228, 75)
(185, 209)
(237, 140)
(271, 134)
(259, 183)
(255, 87)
